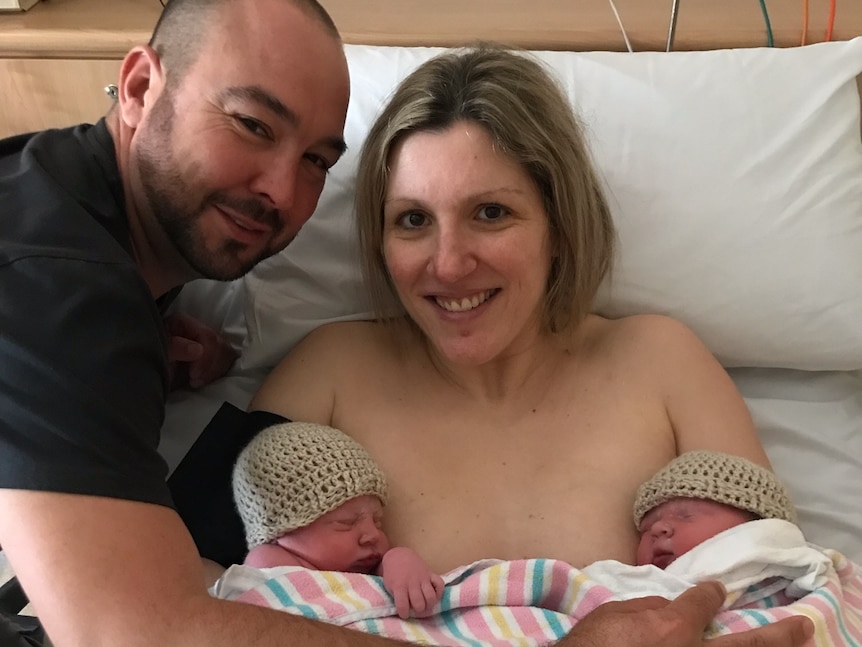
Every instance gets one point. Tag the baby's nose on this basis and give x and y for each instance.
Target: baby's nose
(370, 533)
(662, 528)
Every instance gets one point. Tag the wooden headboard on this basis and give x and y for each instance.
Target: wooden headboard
(99, 29)
(589, 24)
(56, 58)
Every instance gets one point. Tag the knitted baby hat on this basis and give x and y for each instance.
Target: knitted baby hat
(293, 473)
(723, 478)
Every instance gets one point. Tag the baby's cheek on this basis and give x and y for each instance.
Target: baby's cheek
(644, 552)
(384, 543)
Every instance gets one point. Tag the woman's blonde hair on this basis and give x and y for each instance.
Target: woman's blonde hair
(530, 119)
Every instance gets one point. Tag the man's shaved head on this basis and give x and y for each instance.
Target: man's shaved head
(183, 24)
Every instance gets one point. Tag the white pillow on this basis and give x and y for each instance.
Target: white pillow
(734, 176)
(810, 424)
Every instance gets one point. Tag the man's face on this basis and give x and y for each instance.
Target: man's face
(231, 159)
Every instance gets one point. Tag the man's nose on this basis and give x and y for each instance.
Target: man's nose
(276, 183)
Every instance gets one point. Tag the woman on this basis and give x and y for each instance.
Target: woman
(511, 422)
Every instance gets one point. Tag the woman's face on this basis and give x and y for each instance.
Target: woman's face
(466, 242)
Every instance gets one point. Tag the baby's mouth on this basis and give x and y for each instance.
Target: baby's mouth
(662, 559)
(367, 564)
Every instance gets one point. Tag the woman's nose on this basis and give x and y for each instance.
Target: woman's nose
(453, 257)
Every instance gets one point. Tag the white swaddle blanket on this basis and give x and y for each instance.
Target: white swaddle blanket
(741, 557)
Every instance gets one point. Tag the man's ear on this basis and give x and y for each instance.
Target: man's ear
(140, 84)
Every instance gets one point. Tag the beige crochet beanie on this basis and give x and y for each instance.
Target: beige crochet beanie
(293, 473)
(723, 478)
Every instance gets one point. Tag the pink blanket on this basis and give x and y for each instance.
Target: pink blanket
(537, 601)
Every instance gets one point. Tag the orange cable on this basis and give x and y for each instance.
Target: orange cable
(831, 23)
(804, 21)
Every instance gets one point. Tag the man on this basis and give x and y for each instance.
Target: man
(212, 159)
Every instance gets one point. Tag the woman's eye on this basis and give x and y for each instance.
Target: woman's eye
(492, 212)
(412, 220)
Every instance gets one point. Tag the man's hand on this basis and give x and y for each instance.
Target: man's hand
(410, 582)
(197, 354)
(656, 622)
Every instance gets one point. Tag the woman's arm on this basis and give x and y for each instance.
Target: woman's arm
(303, 384)
(703, 404)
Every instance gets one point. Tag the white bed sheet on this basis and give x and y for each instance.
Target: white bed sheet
(809, 422)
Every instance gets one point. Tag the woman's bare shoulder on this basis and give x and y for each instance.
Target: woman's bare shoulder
(641, 332)
(304, 383)
(343, 332)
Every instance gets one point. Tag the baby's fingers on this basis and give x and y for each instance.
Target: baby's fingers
(426, 598)
(402, 603)
(438, 584)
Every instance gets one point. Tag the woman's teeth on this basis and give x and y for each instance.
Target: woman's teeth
(467, 303)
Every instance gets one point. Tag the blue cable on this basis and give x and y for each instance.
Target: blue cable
(769, 40)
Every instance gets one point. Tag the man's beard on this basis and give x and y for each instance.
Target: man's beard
(170, 192)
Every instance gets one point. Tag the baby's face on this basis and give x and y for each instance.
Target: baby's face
(678, 525)
(347, 539)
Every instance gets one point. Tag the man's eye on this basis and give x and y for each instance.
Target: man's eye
(254, 126)
(320, 162)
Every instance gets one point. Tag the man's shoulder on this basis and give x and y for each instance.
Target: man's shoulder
(61, 197)
(50, 139)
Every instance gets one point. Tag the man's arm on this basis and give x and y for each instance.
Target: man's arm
(107, 572)
(102, 571)
(656, 622)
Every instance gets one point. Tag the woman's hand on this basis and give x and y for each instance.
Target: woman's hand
(657, 622)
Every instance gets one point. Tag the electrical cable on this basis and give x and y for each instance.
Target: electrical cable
(831, 22)
(770, 42)
(804, 21)
(622, 29)
(671, 33)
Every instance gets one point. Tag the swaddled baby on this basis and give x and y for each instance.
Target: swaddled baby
(311, 496)
(700, 494)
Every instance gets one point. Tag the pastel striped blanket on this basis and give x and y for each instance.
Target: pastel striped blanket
(537, 601)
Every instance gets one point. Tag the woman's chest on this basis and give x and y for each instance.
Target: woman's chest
(556, 482)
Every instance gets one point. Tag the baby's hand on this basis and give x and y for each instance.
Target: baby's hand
(409, 580)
